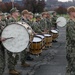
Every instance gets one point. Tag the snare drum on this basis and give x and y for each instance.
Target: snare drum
(36, 46)
(54, 34)
(43, 40)
(48, 40)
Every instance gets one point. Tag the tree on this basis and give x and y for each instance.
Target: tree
(34, 5)
(61, 10)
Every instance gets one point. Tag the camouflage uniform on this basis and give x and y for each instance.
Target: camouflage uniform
(12, 61)
(29, 22)
(53, 20)
(2, 51)
(43, 24)
(70, 47)
(48, 24)
(36, 26)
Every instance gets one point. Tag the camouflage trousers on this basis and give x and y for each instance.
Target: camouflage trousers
(12, 61)
(70, 69)
(2, 60)
(23, 55)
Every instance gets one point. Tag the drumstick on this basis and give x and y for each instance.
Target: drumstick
(9, 38)
(58, 21)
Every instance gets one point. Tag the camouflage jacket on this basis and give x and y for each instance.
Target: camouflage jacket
(11, 20)
(36, 27)
(70, 33)
(43, 24)
(48, 24)
(53, 20)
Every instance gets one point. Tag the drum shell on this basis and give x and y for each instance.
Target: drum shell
(36, 47)
(48, 41)
(43, 40)
(54, 35)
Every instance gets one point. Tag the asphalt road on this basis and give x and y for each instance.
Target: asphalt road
(51, 62)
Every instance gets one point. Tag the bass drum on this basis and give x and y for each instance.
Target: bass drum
(61, 21)
(17, 37)
(29, 29)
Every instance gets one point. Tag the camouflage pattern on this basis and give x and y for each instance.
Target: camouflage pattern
(70, 47)
(49, 24)
(43, 24)
(29, 22)
(23, 56)
(53, 20)
(12, 61)
(11, 20)
(36, 26)
(2, 50)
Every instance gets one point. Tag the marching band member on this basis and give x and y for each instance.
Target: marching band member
(12, 59)
(54, 24)
(36, 26)
(30, 18)
(48, 20)
(70, 41)
(24, 54)
(53, 19)
(44, 22)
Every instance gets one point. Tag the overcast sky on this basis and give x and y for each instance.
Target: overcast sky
(64, 0)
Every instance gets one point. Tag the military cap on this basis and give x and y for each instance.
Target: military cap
(71, 9)
(30, 13)
(37, 16)
(44, 13)
(13, 10)
(24, 12)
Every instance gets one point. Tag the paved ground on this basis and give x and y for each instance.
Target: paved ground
(50, 62)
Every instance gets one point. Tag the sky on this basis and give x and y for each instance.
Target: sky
(64, 0)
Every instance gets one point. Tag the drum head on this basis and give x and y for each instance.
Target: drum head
(47, 35)
(41, 36)
(37, 39)
(61, 21)
(54, 31)
(17, 38)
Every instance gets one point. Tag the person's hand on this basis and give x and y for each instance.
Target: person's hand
(44, 32)
(2, 39)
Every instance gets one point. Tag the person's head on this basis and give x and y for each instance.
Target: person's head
(14, 12)
(71, 11)
(25, 13)
(1, 15)
(54, 13)
(8, 16)
(48, 15)
(38, 18)
(30, 15)
(44, 14)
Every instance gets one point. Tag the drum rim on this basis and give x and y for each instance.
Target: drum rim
(55, 31)
(37, 41)
(40, 36)
(47, 36)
